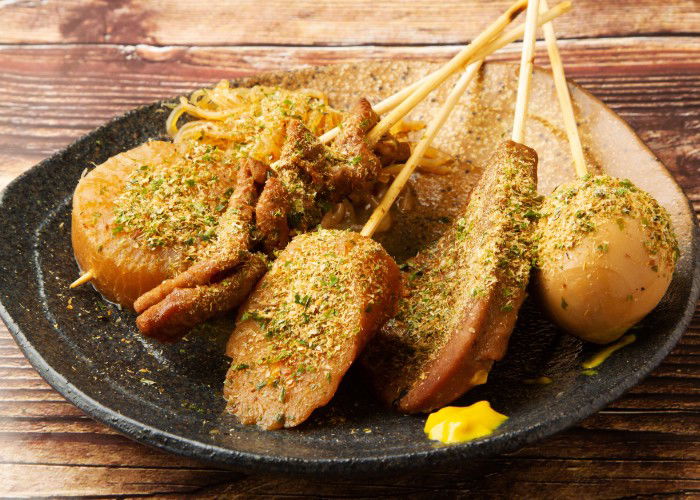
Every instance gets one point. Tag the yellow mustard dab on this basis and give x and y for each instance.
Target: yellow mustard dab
(604, 354)
(454, 424)
(539, 380)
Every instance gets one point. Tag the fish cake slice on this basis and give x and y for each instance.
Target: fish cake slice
(305, 323)
(463, 293)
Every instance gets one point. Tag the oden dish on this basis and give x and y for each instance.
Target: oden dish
(169, 395)
(255, 202)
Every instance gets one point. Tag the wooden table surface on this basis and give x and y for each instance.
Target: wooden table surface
(68, 66)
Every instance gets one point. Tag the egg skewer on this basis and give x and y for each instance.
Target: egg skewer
(607, 250)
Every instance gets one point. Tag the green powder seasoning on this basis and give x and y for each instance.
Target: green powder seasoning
(575, 210)
(175, 204)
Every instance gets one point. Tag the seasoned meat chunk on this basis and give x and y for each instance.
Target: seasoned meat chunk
(313, 175)
(390, 151)
(271, 216)
(183, 308)
(356, 166)
(305, 323)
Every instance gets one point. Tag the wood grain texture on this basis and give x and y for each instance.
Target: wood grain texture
(51, 95)
(68, 66)
(309, 22)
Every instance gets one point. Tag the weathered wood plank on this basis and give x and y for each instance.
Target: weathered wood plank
(307, 22)
(64, 480)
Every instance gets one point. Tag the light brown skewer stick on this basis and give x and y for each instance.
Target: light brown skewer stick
(567, 109)
(454, 64)
(380, 108)
(434, 127)
(84, 278)
(390, 103)
(501, 41)
(518, 125)
(519, 31)
(527, 58)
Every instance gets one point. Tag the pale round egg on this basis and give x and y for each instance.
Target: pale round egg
(606, 255)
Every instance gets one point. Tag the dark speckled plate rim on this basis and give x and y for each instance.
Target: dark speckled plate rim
(397, 462)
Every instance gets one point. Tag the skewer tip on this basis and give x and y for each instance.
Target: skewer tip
(84, 278)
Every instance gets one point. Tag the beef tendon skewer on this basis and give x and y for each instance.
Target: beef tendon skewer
(307, 174)
(607, 248)
(464, 292)
(308, 319)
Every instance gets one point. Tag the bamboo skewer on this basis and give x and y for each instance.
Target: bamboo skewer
(527, 59)
(501, 41)
(453, 65)
(529, 34)
(434, 127)
(519, 31)
(567, 109)
(84, 278)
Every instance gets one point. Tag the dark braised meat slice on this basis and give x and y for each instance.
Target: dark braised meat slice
(271, 215)
(310, 175)
(228, 256)
(305, 323)
(184, 308)
(354, 166)
(464, 293)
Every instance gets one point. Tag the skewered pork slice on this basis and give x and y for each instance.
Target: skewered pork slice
(305, 323)
(463, 293)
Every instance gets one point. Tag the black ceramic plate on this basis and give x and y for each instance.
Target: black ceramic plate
(170, 396)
